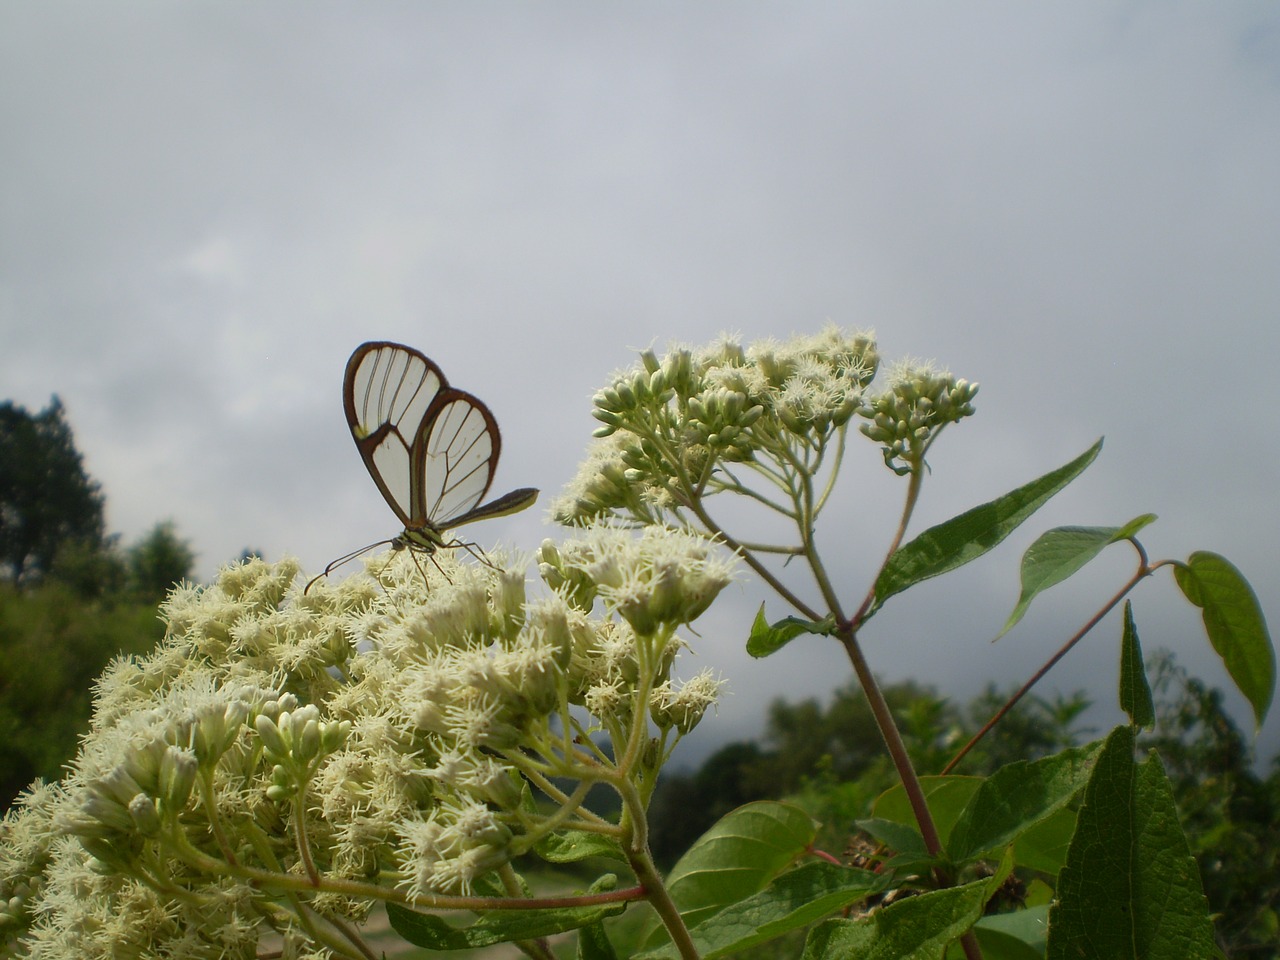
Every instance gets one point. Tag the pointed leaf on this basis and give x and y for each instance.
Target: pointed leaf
(1235, 624)
(1031, 925)
(946, 796)
(496, 926)
(917, 928)
(1044, 847)
(593, 942)
(736, 858)
(898, 837)
(1130, 887)
(1135, 692)
(1059, 553)
(1011, 936)
(955, 542)
(795, 899)
(1017, 797)
(570, 846)
(767, 638)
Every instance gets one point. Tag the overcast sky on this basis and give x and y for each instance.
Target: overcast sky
(205, 206)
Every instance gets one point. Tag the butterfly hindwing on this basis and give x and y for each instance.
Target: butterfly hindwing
(459, 447)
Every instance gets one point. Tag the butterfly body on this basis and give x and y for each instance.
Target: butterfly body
(431, 449)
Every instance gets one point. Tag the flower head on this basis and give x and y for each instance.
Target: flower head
(917, 403)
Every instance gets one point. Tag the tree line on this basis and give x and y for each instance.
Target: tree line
(71, 596)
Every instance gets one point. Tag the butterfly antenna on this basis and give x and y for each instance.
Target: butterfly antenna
(339, 562)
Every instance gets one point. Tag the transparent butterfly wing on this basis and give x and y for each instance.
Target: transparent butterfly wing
(459, 450)
(431, 450)
(387, 393)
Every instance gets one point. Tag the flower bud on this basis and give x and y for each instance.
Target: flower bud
(283, 785)
(272, 739)
(142, 809)
(177, 778)
(306, 747)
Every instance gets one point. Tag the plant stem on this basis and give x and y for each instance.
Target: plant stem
(656, 892)
(300, 835)
(892, 739)
(1143, 571)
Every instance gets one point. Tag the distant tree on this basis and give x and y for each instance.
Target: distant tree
(844, 737)
(1035, 728)
(686, 804)
(92, 572)
(158, 561)
(48, 504)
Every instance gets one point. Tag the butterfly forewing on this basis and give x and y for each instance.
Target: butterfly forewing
(460, 455)
(387, 393)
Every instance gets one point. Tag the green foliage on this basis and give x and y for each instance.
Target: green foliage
(158, 561)
(498, 926)
(1016, 798)
(1135, 692)
(1234, 622)
(832, 758)
(52, 646)
(1129, 887)
(1059, 553)
(966, 537)
(1230, 812)
(684, 805)
(917, 928)
(767, 638)
(47, 501)
(737, 857)
(93, 572)
(792, 901)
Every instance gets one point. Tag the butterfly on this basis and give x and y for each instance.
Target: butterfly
(431, 449)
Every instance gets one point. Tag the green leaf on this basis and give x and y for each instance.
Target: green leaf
(1135, 692)
(1017, 797)
(1044, 846)
(946, 796)
(1028, 927)
(1235, 625)
(995, 944)
(1130, 887)
(736, 858)
(571, 846)
(1059, 553)
(496, 926)
(593, 942)
(955, 542)
(767, 638)
(917, 928)
(795, 899)
(899, 837)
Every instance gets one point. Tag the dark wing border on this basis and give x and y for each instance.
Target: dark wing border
(368, 444)
(418, 457)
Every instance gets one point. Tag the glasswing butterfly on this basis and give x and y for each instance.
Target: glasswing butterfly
(431, 449)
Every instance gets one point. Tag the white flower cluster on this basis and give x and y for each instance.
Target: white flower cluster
(395, 725)
(670, 426)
